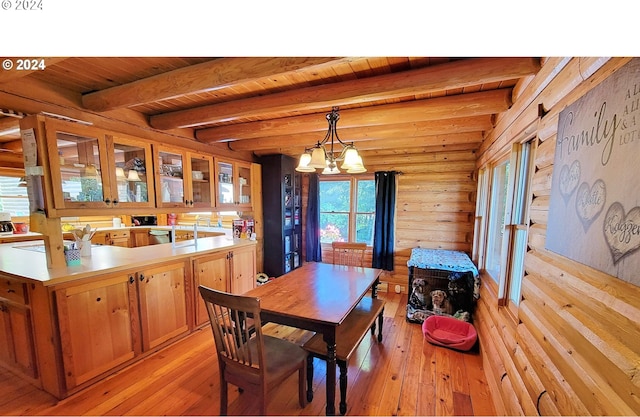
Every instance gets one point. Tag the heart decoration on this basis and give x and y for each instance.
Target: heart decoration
(622, 232)
(569, 179)
(590, 202)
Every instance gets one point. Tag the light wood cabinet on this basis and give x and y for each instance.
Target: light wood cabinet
(98, 326)
(109, 321)
(211, 271)
(233, 185)
(243, 270)
(200, 181)
(170, 177)
(163, 308)
(232, 271)
(92, 169)
(17, 349)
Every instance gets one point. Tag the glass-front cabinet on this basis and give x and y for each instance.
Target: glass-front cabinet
(201, 185)
(133, 174)
(91, 169)
(170, 182)
(233, 184)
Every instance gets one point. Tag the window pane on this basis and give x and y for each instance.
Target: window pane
(496, 219)
(366, 196)
(517, 266)
(13, 197)
(364, 228)
(334, 196)
(334, 227)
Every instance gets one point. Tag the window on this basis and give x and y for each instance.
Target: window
(495, 227)
(501, 225)
(13, 196)
(347, 210)
(516, 224)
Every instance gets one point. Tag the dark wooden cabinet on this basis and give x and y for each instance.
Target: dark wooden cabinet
(282, 208)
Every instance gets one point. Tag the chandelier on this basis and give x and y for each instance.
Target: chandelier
(324, 155)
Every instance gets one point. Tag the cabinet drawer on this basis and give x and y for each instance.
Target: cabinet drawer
(13, 290)
(120, 234)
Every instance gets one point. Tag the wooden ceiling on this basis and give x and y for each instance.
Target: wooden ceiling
(278, 105)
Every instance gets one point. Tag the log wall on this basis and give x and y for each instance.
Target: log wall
(572, 347)
(435, 203)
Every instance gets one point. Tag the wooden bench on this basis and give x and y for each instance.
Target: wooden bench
(348, 336)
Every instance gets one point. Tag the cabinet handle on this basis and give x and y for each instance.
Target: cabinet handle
(131, 280)
(115, 202)
(11, 291)
(141, 277)
(107, 201)
(230, 254)
(3, 308)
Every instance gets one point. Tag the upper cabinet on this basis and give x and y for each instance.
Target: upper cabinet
(201, 189)
(86, 167)
(233, 184)
(90, 169)
(170, 177)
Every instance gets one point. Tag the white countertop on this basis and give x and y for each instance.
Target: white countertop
(27, 260)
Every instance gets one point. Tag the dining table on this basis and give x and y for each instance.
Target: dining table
(317, 297)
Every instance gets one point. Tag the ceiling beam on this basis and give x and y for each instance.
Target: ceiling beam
(451, 75)
(461, 105)
(396, 146)
(360, 135)
(207, 76)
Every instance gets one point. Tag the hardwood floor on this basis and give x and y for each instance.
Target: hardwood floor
(404, 375)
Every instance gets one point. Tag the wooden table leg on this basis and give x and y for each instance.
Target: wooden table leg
(330, 339)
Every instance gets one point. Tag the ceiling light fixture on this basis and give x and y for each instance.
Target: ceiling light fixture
(323, 156)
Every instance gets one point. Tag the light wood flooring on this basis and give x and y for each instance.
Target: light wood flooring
(403, 375)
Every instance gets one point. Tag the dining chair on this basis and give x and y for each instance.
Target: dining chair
(250, 360)
(347, 253)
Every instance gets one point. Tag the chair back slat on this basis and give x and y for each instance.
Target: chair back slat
(346, 253)
(228, 314)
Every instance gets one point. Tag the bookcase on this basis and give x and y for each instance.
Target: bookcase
(282, 209)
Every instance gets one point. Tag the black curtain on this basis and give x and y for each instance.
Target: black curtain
(383, 232)
(312, 237)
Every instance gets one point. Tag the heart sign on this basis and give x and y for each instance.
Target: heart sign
(590, 202)
(569, 179)
(621, 231)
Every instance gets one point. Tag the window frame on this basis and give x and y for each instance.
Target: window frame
(521, 158)
(353, 196)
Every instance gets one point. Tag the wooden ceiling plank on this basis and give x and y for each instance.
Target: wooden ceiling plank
(198, 78)
(455, 74)
(12, 74)
(473, 104)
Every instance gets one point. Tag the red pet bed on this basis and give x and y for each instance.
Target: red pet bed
(449, 332)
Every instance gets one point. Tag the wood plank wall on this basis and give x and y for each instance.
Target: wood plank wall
(435, 203)
(573, 348)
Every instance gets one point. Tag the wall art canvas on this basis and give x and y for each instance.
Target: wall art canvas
(594, 211)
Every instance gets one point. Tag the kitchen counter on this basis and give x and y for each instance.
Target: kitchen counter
(21, 237)
(28, 259)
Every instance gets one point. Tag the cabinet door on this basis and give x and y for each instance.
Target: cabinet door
(211, 271)
(16, 345)
(200, 181)
(243, 269)
(131, 177)
(96, 327)
(163, 307)
(170, 184)
(79, 166)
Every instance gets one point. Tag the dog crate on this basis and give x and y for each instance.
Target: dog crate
(441, 282)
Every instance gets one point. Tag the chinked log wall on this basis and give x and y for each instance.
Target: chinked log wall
(573, 348)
